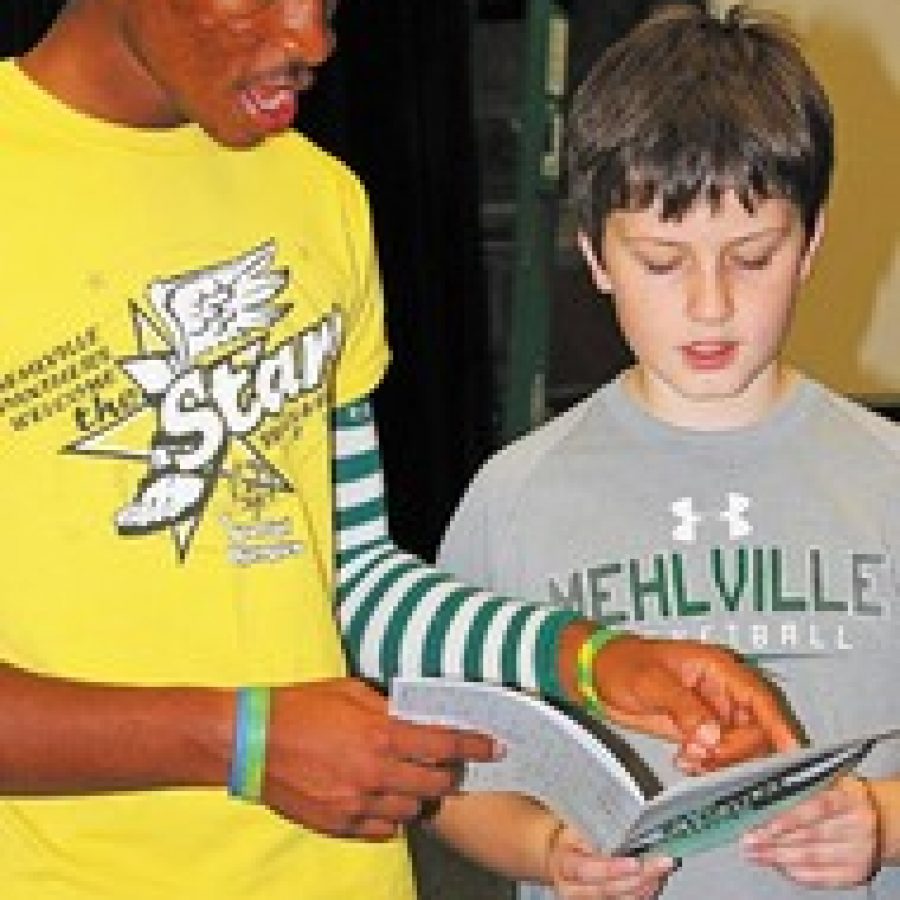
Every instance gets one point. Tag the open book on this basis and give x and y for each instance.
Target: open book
(551, 757)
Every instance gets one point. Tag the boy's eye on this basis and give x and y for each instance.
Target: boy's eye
(753, 263)
(660, 266)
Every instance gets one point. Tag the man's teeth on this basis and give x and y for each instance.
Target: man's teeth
(268, 100)
(272, 102)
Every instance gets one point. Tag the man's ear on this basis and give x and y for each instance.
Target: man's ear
(596, 267)
(812, 246)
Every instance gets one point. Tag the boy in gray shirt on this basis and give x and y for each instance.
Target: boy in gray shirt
(711, 491)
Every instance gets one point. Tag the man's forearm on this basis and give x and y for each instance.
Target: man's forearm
(335, 761)
(68, 738)
(399, 614)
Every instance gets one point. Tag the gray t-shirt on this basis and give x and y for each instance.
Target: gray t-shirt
(778, 539)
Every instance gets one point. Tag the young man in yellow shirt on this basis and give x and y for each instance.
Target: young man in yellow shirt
(192, 488)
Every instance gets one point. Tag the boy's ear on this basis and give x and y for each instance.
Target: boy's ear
(812, 247)
(598, 271)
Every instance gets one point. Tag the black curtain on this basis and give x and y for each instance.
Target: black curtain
(395, 104)
(22, 21)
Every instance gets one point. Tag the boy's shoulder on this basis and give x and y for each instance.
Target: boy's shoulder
(869, 427)
(840, 425)
(523, 457)
(494, 493)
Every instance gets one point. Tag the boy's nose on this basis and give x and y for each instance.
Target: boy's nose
(710, 297)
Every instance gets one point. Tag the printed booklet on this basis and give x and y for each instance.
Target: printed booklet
(556, 760)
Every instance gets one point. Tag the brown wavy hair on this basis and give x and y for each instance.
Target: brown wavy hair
(688, 105)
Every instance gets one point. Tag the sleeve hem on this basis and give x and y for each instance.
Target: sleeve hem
(361, 383)
(547, 652)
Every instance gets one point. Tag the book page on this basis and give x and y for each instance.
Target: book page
(704, 812)
(549, 756)
(557, 761)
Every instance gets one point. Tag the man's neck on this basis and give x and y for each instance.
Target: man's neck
(84, 61)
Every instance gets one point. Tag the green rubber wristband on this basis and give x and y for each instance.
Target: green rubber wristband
(584, 680)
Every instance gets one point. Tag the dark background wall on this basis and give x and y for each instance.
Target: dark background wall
(396, 105)
(22, 20)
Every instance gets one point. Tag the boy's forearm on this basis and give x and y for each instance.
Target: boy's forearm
(68, 738)
(887, 796)
(506, 833)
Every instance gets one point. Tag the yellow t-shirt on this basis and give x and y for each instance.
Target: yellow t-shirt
(177, 320)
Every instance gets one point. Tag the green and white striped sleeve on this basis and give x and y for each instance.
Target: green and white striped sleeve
(400, 615)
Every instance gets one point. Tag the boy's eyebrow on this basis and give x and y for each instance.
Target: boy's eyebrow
(777, 231)
(652, 239)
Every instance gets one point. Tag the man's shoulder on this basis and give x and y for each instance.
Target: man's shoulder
(314, 164)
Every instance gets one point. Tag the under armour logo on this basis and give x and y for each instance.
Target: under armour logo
(689, 519)
(735, 516)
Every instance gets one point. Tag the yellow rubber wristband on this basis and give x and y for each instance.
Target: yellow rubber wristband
(584, 679)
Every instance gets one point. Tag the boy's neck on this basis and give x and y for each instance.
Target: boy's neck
(750, 407)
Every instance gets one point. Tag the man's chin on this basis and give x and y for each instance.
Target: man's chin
(234, 138)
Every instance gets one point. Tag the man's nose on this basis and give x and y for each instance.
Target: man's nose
(306, 32)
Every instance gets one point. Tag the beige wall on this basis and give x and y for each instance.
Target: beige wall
(847, 330)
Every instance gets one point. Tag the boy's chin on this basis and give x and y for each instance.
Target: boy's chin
(710, 401)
